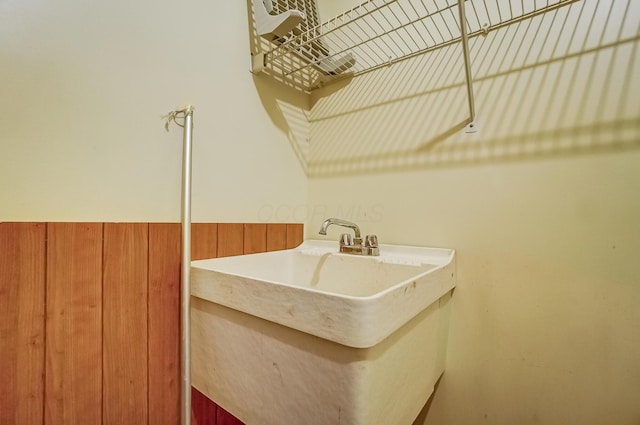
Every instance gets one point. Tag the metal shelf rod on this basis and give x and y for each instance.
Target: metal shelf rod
(378, 33)
(467, 66)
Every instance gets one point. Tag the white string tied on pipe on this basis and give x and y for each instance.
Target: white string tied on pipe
(177, 114)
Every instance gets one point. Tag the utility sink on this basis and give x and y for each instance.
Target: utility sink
(313, 336)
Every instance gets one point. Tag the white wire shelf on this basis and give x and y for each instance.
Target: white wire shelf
(378, 33)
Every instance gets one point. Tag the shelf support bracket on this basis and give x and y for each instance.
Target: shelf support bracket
(275, 26)
(472, 125)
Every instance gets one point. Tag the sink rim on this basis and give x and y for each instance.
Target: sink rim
(354, 321)
(389, 254)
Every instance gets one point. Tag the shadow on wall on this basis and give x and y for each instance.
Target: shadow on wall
(287, 105)
(561, 83)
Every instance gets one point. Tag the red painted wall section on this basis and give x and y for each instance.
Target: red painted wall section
(226, 418)
(206, 412)
(203, 410)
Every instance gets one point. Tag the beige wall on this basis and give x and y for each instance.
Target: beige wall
(542, 206)
(83, 87)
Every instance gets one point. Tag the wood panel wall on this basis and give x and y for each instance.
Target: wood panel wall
(89, 319)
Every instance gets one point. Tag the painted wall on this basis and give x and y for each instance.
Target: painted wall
(542, 206)
(83, 88)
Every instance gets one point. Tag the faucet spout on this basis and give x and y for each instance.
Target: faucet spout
(355, 246)
(344, 223)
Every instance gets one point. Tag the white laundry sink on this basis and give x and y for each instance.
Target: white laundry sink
(313, 336)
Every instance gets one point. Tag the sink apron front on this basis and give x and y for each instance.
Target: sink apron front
(273, 351)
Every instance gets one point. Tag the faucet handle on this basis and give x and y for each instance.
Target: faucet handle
(346, 239)
(371, 241)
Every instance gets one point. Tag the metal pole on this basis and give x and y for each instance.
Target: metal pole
(185, 355)
(471, 126)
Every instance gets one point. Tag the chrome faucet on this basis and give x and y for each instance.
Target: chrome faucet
(349, 245)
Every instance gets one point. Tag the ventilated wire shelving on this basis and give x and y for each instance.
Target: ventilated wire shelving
(378, 33)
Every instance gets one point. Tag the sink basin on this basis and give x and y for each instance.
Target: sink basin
(353, 300)
(310, 335)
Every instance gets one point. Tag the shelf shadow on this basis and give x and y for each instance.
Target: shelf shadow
(559, 84)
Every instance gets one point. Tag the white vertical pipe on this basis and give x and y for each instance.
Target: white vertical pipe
(185, 352)
(467, 61)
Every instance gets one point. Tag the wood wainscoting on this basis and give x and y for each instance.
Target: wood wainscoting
(89, 319)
